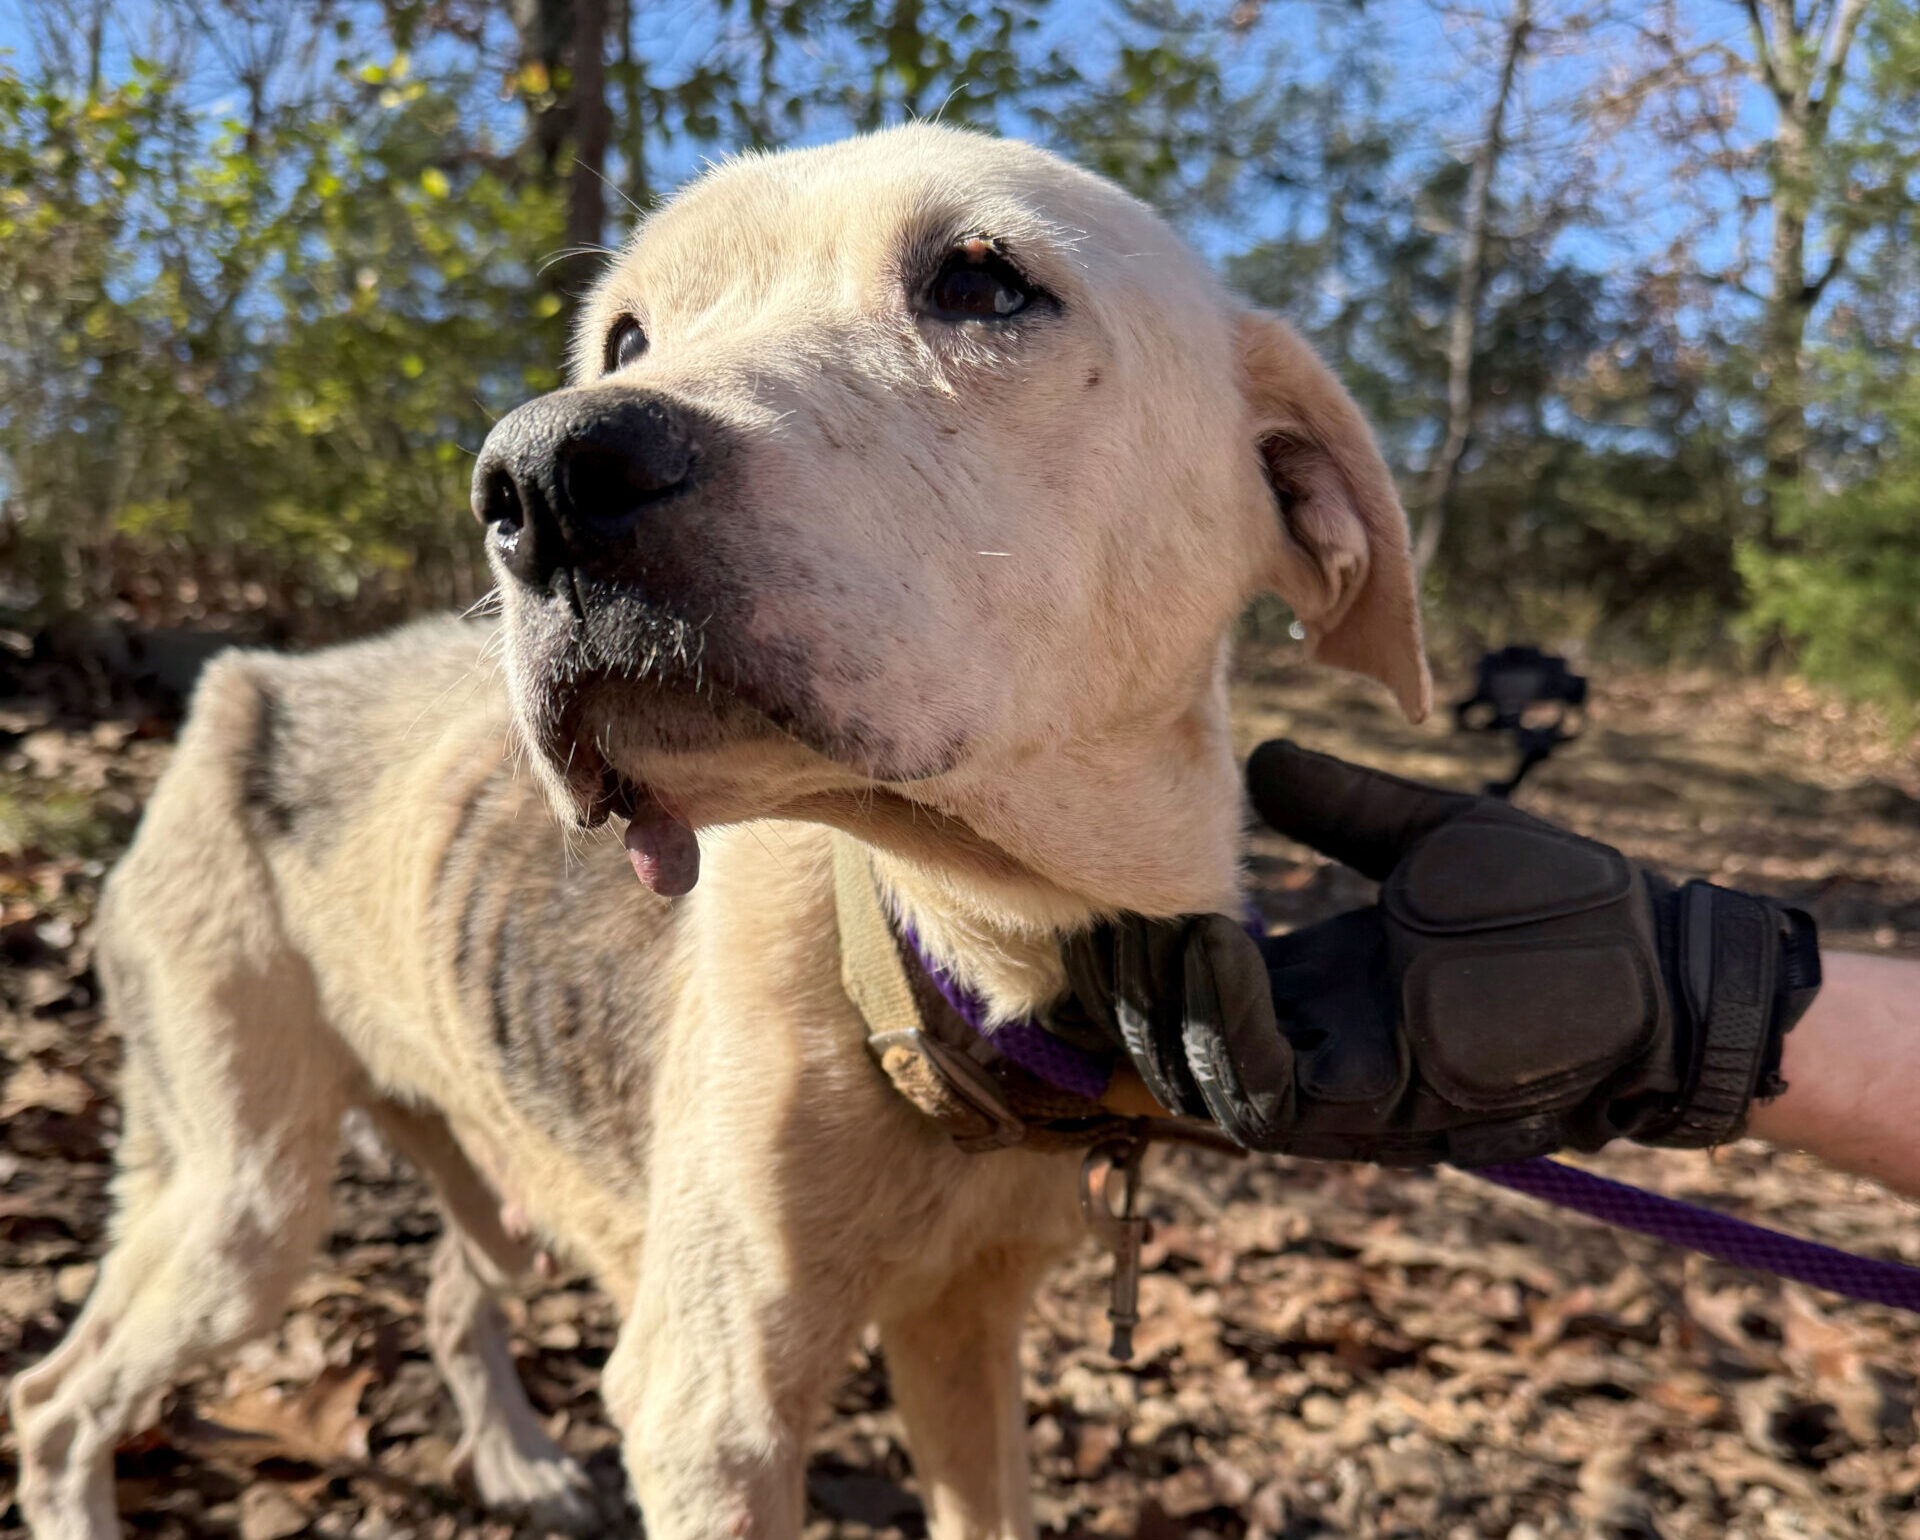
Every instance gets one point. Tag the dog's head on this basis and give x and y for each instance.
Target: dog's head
(913, 484)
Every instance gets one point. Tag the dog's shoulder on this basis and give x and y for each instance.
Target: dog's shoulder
(292, 737)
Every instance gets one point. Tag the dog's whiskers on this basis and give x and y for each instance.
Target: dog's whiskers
(489, 603)
(585, 249)
(614, 188)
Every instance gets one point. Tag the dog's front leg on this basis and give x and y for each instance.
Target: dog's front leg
(954, 1362)
(721, 1369)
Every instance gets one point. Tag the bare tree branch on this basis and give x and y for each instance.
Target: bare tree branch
(1839, 41)
(1726, 281)
(1762, 54)
(1466, 299)
(1836, 262)
(1785, 53)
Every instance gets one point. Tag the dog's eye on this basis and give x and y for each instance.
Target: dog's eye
(625, 343)
(976, 283)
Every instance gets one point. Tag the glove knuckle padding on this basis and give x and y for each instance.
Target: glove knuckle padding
(1241, 1065)
(1149, 1010)
(1527, 961)
(1488, 868)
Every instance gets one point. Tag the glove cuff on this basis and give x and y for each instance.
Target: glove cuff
(1747, 970)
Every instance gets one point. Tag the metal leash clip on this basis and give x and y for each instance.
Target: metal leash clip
(1121, 1230)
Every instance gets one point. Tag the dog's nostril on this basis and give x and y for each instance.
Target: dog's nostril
(499, 502)
(605, 485)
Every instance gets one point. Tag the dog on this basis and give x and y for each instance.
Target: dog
(905, 492)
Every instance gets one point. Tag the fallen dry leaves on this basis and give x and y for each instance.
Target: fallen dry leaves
(318, 1425)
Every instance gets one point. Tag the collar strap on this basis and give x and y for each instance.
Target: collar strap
(985, 1088)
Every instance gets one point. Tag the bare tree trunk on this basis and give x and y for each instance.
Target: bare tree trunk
(544, 28)
(571, 130)
(593, 124)
(634, 128)
(1464, 323)
(1784, 324)
(96, 42)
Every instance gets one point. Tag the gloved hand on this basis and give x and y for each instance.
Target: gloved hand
(1516, 990)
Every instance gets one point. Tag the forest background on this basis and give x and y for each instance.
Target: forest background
(1631, 290)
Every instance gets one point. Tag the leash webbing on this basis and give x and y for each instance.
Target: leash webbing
(1717, 1235)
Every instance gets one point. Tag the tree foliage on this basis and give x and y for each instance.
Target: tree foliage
(243, 361)
(1844, 582)
(268, 272)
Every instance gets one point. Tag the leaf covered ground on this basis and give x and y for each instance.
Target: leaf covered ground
(1327, 1351)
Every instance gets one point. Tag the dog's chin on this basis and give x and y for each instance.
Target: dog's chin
(612, 750)
(661, 758)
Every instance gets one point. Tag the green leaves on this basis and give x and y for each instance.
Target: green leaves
(246, 350)
(1841, 577)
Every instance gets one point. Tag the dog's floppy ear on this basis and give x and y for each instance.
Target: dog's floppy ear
(1345, 564)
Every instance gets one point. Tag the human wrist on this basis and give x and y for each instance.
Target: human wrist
(1853, 1073)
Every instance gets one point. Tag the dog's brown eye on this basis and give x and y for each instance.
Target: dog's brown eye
(976, 283)
(625, 343)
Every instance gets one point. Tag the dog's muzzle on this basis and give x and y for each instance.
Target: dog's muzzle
(589, 500)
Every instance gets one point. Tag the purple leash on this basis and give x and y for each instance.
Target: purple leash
(1716, 1235)
(1720, 1236)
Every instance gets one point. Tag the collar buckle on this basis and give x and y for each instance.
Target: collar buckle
(980, 1121)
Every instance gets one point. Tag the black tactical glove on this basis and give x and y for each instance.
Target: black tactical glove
(1516, 989)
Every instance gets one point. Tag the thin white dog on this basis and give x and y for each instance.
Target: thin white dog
(906, 491)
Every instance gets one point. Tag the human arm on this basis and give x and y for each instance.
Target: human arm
(1852, 1068)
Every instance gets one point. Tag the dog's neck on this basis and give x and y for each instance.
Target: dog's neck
(1144, 818)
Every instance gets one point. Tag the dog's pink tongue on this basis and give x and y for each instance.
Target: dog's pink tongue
(663, 850)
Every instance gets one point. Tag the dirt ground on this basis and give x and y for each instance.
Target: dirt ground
(1327, 1350)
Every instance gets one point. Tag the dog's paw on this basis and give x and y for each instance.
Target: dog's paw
(544, 1485)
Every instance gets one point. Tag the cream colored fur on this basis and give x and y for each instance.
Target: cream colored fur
(339, 898)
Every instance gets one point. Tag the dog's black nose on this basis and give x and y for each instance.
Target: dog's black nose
(565, 480)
